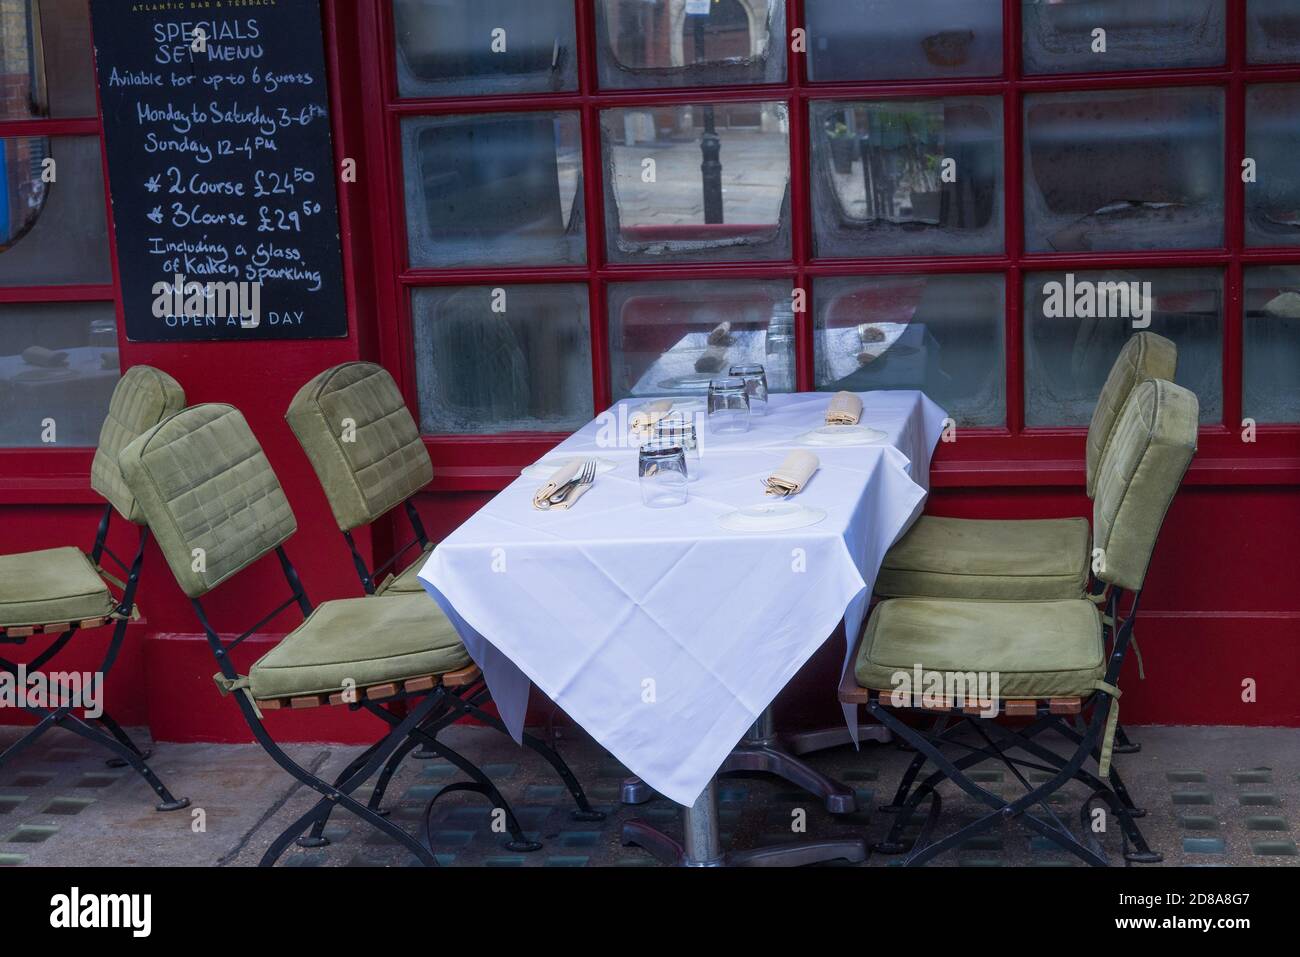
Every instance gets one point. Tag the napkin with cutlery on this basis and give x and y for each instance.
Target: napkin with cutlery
(644, 418)
(792, 475)
(565, 478)
(720, 335)
(44, 358)
(845, 409)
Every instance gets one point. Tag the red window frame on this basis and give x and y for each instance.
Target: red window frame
(1013, 454)
(32, 474)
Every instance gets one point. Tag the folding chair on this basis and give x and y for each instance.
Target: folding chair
(215, 507)
(1050, 657)
(56, 592)
(1017, 559)
(366, 449)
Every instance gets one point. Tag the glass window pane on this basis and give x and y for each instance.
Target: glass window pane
(495, 189)
(52, 232)
(940, 334)
(1076, 324)
(1138, 35)
(1271, 342)
(893, 40)
(669, 338)
(698, 181)
(1124, 169)
(907, 177)
(45, 59)
(59, 362)
(455, 48)
(664, 43)
(1272, 31)
(502, 358)
(1273, 142)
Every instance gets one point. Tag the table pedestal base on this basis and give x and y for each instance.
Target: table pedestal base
(702, 848)
(763, 749)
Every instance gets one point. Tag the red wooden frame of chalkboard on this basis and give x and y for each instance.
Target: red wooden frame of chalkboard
(1011, 455)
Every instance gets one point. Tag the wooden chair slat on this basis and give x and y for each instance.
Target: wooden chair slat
(1021, 708)
(1064, 705)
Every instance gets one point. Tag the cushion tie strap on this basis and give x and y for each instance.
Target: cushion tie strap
(1112, 722)
(109, 577)
(229, 685)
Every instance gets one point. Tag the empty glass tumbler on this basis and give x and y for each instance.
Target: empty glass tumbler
(755, 377)
(728, 406)
(661, 468)
(679, 429)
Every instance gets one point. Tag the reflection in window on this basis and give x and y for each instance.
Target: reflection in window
(940, 334)
(502, 359)
(58, 365)
(45, 59)
(494, 189)
(1124, 169)
(697, 181)
(1272, 31)
(1139, 35)
(907, 177)
(1075, 329)
(671, 338)
(663, 43)
(52, 232)
(890, 40)
(1273, 141)
(1271, 343)
(455, 48)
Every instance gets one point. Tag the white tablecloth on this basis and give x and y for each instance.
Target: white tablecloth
(660, 633)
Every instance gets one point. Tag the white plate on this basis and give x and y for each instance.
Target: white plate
(842, 435)
(547, 467)
(776, 517)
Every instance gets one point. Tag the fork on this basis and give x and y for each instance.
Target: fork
(586, 476)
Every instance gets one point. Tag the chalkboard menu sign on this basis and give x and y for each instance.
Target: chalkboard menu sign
(221, 169)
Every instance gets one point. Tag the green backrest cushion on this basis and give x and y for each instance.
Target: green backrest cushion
(362, 441)
(203, 481)
(1145, 356)
(1144, 462)
(143, 397)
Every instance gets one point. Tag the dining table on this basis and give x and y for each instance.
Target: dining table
(666, 633)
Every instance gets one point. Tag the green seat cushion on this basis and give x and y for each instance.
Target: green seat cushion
(366, 641)
(49, 587)
(1037, 649)
(409, 580)
(1031, 560)
(142, 398)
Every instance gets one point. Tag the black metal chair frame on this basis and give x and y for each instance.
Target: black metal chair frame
(998, 741)
(116, 740)
(471, 698)
(426, 711)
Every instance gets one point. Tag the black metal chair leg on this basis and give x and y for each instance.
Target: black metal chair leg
(117, 731)
(130, 756)
(1124, 744)
(316, 837)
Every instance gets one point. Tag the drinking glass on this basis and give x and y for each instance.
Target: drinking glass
(755, 377)
(728, 406)
(661, 468)
(678, 429)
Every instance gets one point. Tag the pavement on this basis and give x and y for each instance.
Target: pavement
(1214, 795)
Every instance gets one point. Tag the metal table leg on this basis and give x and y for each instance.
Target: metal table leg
(763, 749)
(702, 845)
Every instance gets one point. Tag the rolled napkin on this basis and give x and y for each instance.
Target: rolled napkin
(644, 418)
(793, 474)
(542, 497)
(721, 334)
(45, 358)
(713, 360)
(845, 409)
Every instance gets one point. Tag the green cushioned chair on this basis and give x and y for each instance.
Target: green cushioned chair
(365, 447)
(215, 506)
(1049, 658)
(1021, 560)
(55, 592)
